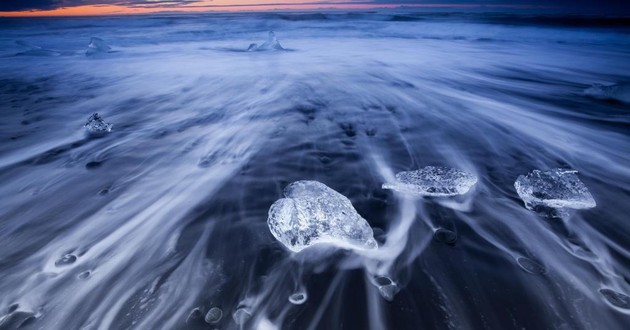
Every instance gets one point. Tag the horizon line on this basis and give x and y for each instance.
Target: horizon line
(117, 10)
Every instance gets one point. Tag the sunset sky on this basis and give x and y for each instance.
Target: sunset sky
(114, 7)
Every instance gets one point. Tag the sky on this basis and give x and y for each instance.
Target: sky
(117, 7)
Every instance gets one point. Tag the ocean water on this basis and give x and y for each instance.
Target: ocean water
(162, 223)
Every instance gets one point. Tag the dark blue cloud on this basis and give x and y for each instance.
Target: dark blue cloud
(618, 7)
(584, 6)
(13, 5)
(10, 5)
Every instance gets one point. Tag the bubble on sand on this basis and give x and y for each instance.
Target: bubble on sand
(445, 236)
(298, 298)
(214, 315)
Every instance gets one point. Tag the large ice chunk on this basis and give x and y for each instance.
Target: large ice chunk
(96, 126)
(272, 43)
(313, 213)
(557, 188)
(97, 46)
(433, 181)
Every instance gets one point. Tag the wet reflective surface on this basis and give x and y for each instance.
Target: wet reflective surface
(160, 221)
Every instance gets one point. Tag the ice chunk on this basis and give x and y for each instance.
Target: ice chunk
(557, 188)
(96, 46)
(96, 126)
(313, 213)
(619, 92)
(272, 43)
(387, 288)
(433, 181)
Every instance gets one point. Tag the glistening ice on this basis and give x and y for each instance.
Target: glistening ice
(433, 181)
(312, 213)
(155, 213)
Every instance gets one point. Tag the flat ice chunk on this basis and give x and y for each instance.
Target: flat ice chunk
(96, 46)
(272, 43)
(557, 188)
(96, 126)
(313, 213)
(433, 181)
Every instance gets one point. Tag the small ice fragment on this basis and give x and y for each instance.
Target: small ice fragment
(433, 181)
(557, 188)
(96, 46)
(313, 213)
(66, 260)
(96, 126)
(272, 43)
(298, 298)
(241, 316)
(386, 287)
(619, 92)
(214, 315)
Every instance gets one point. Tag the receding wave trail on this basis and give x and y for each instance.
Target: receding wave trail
(161, 223)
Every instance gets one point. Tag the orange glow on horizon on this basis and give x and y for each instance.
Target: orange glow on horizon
(222, 6)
